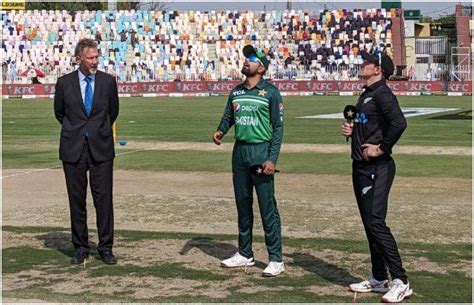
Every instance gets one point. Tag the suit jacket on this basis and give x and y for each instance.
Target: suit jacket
(70, 111)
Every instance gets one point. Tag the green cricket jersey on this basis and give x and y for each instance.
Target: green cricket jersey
(257, 114)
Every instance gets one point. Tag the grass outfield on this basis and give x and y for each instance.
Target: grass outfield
(195, 118)
(309, 279)
(431, 202)
(304, 163)
(31, 133)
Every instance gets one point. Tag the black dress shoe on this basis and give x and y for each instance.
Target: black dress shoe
(79, 257)
(107, 257)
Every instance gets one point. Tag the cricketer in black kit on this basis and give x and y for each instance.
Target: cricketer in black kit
(378, 124)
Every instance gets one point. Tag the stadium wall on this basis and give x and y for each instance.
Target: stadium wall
(287, 87)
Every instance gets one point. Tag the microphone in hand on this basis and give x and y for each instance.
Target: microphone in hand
(349, 115)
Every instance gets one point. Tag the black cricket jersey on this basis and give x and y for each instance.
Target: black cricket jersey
(379, 120)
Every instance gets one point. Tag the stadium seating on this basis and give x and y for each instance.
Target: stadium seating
(139, 46)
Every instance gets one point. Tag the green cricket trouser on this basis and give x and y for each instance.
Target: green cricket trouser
(245, 155)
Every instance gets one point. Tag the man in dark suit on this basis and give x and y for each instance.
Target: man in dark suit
(86, 104)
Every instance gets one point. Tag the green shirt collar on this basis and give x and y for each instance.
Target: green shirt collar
(260, 85)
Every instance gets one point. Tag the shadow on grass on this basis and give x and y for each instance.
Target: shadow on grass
(463, 115)
(327, 271)
(214, 248)
(61, 241)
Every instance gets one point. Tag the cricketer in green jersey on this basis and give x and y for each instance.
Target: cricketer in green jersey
(255, 108)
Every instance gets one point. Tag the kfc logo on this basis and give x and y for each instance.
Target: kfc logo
(320, 86)
(420, 87)
(350, 86)
(459, 87)
(156, 87)
(190, 87)
(220, 86)
(131, 88)
(287, 86)
(21, 90)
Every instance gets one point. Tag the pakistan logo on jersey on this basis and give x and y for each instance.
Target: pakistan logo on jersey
(247, 121)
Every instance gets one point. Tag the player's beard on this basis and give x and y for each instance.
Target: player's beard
(248, 72)
(363, 77)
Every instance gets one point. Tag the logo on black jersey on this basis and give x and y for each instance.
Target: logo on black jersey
(361, 118)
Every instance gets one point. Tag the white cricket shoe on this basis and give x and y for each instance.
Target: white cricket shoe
(370, 285)
(274, 269)
(398, 291)
(238, 261)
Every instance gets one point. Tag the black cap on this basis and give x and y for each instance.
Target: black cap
(384, 61)
(250, 50)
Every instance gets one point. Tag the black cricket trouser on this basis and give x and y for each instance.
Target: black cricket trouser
(372, 182)
(100, 176)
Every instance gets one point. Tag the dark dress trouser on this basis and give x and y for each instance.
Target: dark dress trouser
(100, 176)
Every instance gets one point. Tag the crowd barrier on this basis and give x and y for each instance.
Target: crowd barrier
(286, 87)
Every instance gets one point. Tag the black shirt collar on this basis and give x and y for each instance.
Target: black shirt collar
(375, 85)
